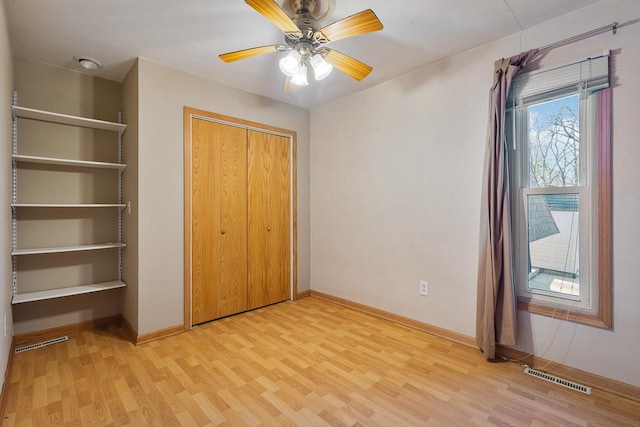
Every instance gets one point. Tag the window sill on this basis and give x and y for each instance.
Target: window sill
(599, 320)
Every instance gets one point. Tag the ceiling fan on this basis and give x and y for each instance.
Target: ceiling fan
(306, 41)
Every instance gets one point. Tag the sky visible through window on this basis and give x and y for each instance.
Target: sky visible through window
(554, 157)
(554, 142)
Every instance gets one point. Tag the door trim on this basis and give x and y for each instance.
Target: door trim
(193, 113)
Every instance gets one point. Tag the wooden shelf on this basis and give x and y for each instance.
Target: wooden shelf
(67, 162)
(69, 205)
(64, 119)
(20, 161)
(64, 249)
(65, 292)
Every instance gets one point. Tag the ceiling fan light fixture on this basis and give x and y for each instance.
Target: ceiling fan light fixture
(300, 78)
(304, 39)
(321, 68)
(290, 64)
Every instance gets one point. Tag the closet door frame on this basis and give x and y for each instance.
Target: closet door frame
(191, 114)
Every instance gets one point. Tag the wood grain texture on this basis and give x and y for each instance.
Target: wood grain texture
(587, 378)
(274, 13)
(205, 219)
(159, 334)
(259, 155)
(605, 207)
(189, 111)
(129, 330)
(560, 313)
(573, 374)
(308, 362)
(429, 329)
(186, 130)
(7, 376)
(269, 193)
(34, 337)
(191, 114)
(348, 65)
(280, 220)
(231, 161)
(303, 294)
(294, 219)
(218, 220)
(247, 53)
(361, 23)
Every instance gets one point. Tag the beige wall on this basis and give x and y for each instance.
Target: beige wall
(56, 89)
(152, 148)
(6, 86)
(395, 193)
(130, 194)
(163, 92)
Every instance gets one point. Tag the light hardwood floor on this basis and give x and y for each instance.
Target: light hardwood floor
(308, 362)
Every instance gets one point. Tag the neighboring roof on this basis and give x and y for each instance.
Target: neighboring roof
(562, 202)
(541, 222)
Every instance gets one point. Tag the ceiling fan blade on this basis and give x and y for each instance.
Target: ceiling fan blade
(248, 53)
(348, 65)
(274, 13)
(361, 23)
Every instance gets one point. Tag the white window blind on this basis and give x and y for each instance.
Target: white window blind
(587, 75)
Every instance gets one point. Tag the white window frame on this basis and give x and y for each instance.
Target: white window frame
(586, 301)
(587, 307)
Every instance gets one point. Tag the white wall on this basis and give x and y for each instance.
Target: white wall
(6, 87)
(163, 93)
(395, 192)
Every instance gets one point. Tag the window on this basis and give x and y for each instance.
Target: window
(561, 245)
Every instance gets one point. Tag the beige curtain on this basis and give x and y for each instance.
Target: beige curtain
(496, 305)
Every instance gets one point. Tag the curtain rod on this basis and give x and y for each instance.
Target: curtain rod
(613, 26)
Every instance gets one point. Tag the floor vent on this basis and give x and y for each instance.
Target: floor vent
(552, 378)
(41, 344)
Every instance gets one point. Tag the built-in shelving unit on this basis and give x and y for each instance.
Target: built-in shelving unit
(16, 207)
(69, 205)
(64, 249)
(64, 119)
(65, 292)
(67, 162)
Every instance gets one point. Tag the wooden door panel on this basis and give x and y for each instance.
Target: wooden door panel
(232, 164)
(280, 242)
(219, 239)
(268, 207)
(204, 198)
(259, 174)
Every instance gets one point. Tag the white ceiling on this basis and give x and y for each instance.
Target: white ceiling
(189, 35)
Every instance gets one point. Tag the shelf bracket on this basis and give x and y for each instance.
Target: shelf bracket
(14, 196)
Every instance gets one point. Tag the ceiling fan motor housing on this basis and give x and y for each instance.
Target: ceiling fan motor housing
(300, 6)
(309, 42)
(320, 9)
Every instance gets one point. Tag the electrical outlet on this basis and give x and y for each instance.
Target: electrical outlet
(424, 288)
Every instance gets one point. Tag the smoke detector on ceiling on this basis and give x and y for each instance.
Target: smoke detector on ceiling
(88, 63)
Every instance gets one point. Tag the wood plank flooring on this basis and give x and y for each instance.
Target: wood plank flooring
(300, 363)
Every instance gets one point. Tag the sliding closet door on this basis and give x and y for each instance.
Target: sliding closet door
(269, 189)
(219, 220)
